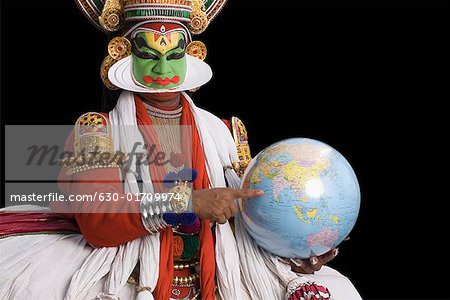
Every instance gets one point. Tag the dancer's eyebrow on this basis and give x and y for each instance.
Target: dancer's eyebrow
(141, 42)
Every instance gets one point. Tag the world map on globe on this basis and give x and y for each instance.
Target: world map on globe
(311, 198)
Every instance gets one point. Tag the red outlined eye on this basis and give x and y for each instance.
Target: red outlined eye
(138, 44)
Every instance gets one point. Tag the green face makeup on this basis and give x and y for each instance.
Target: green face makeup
(159, 61)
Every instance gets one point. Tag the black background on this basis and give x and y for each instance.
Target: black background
(365, 77)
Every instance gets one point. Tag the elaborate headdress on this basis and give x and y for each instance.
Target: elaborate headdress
(126, 17)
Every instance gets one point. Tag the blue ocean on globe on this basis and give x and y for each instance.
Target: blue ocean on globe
(311, 198)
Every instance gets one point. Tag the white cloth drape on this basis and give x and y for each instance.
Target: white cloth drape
(220, 152)
(95, 266)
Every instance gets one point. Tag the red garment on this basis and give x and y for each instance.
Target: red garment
(311, 291)
(228, 123)
(29, 222)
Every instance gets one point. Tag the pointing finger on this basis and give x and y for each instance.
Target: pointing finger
(246, 193)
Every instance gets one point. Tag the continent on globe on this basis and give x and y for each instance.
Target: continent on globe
(326, 237)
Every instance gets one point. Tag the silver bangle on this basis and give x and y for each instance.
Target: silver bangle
(147, 215)
(152, 211)
(157, 216)
(165, 208)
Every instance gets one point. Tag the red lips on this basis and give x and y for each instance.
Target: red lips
(161, 81)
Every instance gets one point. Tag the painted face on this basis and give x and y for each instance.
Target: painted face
(159, 61)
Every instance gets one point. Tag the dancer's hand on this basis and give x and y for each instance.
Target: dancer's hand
(313, 264)
(219, 204)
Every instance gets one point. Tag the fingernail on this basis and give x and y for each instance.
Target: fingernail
(335, 252)
(314, 260)
(297, 263)
(259, 192)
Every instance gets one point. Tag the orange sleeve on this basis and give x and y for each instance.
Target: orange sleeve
(109, 227)
(113, 226)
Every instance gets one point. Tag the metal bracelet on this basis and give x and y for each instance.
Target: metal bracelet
(152, 211)
(158, 215)
(147, 215)
(165, 208)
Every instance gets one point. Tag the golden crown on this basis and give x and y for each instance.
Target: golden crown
(110, 15)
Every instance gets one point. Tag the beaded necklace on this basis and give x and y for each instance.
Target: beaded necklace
(168, 130)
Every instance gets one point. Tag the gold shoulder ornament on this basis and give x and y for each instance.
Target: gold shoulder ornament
(93, 145)
(243, 149)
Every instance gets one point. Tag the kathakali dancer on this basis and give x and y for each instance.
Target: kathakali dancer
(180, 248)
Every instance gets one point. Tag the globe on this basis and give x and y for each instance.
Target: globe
(311, 198)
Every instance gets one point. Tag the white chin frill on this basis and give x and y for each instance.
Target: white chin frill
(198, 73)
